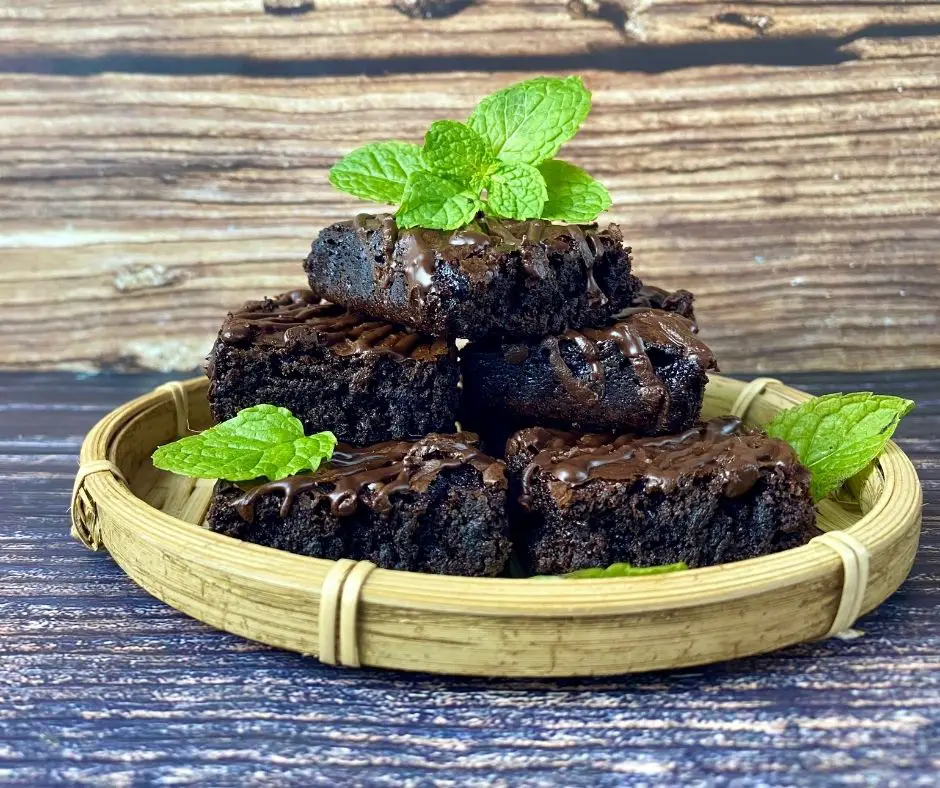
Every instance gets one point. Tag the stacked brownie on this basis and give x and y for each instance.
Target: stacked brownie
(588, 383)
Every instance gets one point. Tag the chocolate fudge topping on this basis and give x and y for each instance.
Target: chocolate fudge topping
(651, 297)
(660, 462)
(291, 316)
(370, 475)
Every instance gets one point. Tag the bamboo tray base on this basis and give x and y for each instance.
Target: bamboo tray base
(351, 614)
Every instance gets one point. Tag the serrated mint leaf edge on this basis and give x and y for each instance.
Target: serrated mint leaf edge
(462, 196)
(377, 185)
(826, 479)
(545, 148)
(601, 199)
(505, 188)
(477, 163)
(187, 456)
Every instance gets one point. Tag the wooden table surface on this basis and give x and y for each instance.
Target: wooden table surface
(101, 684)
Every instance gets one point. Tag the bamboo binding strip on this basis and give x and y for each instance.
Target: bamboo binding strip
(853, 554)
(350, 613)
(180, 404)
(82, 506)
(339, 605)
(855, 562)
(749, 393)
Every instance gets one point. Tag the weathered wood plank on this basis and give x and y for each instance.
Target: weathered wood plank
(103, 685)
(386, 29)
(801, 205)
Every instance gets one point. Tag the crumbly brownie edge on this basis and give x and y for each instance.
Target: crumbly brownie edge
(756, 505)
(696, 525)
(587, 379)
(537, 289)
(457, 527)
(362, 399)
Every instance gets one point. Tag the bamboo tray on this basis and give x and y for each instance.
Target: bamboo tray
(353, 614)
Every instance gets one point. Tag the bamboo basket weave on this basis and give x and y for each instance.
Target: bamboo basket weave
(351, 613)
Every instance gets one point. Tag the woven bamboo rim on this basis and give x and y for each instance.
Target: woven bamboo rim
(351, 613)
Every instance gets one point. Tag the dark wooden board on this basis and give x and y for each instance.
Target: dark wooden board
(102, 685)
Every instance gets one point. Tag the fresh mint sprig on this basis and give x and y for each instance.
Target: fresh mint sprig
(625, 570)
(529, 122)
(377, 172)
(837, 435)
(571, 194)
(263, 440)
(499, 161)
(617, 570)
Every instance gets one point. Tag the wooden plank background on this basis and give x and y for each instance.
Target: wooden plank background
(160, 162)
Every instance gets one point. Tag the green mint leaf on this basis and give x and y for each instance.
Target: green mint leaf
(455, 150)
(625, 570)
(263, 440)
(377, 172)
(573, 195)
(838, 435)
(529, 122)
(515, 191)
(436, 202)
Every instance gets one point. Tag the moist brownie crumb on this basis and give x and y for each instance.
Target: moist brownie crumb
(433, 505)
(494, 278)
(712, 494)
(364, 380)
(644, 373)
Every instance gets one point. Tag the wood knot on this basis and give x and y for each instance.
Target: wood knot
(759, 23)
(610, 11)
(431, 9)
(287, 7)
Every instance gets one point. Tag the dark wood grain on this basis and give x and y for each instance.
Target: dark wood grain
(161, 162)
(336, 30)
(800, 204)
(102, 685)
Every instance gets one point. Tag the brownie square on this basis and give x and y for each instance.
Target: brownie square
(643, 373)
(715, 493)
(433, 505)
(364, 380)
(494, 278)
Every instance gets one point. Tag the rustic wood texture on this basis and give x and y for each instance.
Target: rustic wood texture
(160, 162)
(103, 685)
(397, 29)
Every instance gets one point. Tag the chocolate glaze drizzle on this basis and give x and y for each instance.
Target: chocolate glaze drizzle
(420, 249)
(588, 241)
(721, 446)
(631, 335)
(291, 316)
(370, 476)
(652, 297)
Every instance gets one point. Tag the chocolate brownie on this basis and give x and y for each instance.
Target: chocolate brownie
(364, 380)
(433, 505)
(644, 373)
(494, 278)
(715, 493)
